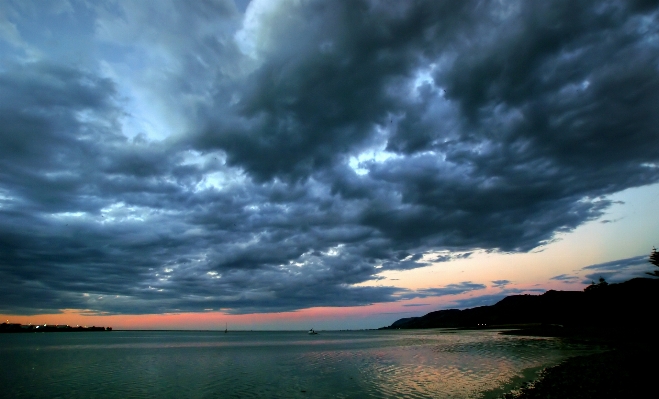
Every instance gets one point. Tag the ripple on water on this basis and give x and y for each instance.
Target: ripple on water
(281, 365)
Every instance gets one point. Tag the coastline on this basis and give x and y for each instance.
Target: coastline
(16, 328)
(528, 376)
(617, 373)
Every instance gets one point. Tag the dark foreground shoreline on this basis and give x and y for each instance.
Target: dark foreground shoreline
(626, 368)
(619, 373)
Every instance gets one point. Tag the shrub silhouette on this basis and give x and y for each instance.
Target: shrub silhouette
(654, 259)
(599, 286)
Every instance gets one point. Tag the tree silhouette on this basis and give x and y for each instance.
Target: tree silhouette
(599, 286)
(654, 259)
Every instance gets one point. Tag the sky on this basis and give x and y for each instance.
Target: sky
(289, 164)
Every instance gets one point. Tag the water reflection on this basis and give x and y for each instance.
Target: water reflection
(430, 364)
(389, 364)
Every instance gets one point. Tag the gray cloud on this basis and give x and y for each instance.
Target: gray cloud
(620, 264)
(565, 278)
(161, 157)
(452, 256)
(450, 289)
(500, 283)
(618, 270)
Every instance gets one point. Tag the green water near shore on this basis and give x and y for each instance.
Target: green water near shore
(378, 364)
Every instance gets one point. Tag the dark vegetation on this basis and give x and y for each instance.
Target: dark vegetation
(654, 259)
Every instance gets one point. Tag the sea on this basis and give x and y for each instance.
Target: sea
(437, 363)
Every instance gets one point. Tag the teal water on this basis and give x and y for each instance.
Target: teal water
(191, 364)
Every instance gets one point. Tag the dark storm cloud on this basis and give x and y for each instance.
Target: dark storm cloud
(313, 145)
(329, 81)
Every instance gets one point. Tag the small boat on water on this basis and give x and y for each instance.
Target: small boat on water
(312, 332)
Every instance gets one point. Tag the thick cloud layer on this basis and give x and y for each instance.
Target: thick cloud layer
(174, 156)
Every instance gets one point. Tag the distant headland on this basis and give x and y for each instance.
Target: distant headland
(601, 309)
(39, 328)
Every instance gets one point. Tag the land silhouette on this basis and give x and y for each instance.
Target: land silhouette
(32, 328)
(601, 309)
(620, 317)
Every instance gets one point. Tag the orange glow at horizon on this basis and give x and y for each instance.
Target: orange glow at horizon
(320, 318)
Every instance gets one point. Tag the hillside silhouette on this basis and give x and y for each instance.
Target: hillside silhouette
(600, 308)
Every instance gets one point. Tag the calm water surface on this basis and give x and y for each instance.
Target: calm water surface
(361, 364)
